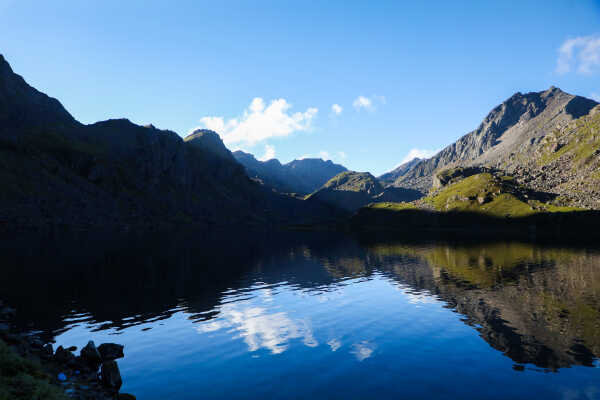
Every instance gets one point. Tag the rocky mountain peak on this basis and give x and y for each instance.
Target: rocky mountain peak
(511, 128)
(209, 140)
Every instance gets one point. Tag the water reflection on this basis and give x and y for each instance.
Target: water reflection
(385, 307)
(260, 328)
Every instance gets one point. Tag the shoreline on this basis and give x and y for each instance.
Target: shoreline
(32, 369)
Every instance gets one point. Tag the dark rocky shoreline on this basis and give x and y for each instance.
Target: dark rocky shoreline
(93, 374)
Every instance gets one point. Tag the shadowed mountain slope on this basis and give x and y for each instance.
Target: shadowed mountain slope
(56, 171)
(351, 190)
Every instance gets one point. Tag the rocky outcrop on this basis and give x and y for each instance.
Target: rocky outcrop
(60, 374)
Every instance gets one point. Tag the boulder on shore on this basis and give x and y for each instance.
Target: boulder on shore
(111, 351)
(91, 355)
(63, 356)
(111, 376)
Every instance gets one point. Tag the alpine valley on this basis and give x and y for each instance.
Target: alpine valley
(534, 157)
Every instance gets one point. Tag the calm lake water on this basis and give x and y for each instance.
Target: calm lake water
(298, 316)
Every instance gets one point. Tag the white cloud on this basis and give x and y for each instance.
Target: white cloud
(595, 96)
(260, 122)
(337, 109)
(324, 155)
(337, 156)
(418, 153)
(368, 103)
(581, 54)
(269, 153)
(363, 102)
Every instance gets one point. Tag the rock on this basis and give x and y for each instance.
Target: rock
(7, 312)
(111, 351)
(111, 376)
(126, 396)
(47, 351)
(63, 356)
(36, 343)
(91, 355)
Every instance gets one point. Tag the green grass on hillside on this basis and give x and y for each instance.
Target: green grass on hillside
(393, 206)
(583, 142)
(483, 193)
(24, 379)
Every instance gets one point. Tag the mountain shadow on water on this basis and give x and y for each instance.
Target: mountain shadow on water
(564, 226)
(537, 304)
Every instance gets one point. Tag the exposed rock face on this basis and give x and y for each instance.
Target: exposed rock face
(298, 176)
(566, 163)
(509, 132)
(390, 177)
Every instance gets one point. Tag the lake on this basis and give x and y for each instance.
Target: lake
(319, 315)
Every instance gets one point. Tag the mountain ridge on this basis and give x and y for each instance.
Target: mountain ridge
(301, 176)
(57, 171)
(520, 119)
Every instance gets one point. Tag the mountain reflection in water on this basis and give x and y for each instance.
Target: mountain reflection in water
(200, 308)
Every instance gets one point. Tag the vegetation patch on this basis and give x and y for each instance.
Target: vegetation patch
(24, 379)
(393, 206)
(581, 141)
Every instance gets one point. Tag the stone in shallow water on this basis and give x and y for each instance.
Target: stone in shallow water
(111, 351)
(91, 355)
(111, 376)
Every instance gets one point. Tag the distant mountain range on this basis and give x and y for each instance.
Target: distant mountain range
(302, 176)
(535, 152)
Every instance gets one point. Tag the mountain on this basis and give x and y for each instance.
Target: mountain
(351, 190)
(389, 177)
(55, 171)
(299, 176)
(566, 163)
(507, 136)
(26, 110)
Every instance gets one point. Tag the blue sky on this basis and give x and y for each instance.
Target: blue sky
(405, 75)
